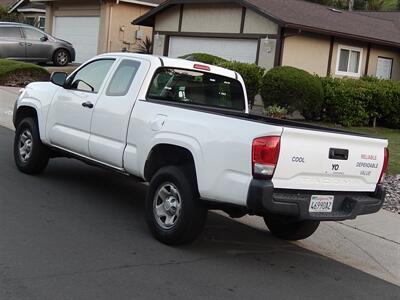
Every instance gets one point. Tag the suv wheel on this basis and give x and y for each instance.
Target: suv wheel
(284, 228)
(61, 58)
(30, 154)
(174, 212)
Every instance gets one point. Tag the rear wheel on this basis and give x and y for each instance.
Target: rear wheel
(30, 154)
(287, 229)
(61, 57)
(174, 212)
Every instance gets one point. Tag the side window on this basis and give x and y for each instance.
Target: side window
(10, 32)
(91, 77)
(33, 34)
(123, 77)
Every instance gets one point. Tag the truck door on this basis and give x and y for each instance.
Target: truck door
(69, 118)
(112, 113)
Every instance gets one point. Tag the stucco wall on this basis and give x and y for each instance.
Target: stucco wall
(168, 20)
(121, 32)
(255, 23)
(310, 53)
(388, 53)
(223, 18)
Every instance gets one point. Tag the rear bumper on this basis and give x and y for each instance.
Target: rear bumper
(263, 199)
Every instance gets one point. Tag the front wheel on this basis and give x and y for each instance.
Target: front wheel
(30, 154)
(61, 58)
(174, 212)
(287, 229)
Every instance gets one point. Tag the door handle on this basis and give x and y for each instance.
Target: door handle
(29, 44)
(87, 104)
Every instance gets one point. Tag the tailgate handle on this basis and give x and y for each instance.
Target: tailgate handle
(341, 154)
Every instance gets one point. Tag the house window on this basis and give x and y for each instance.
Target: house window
(42, 22)
(384, 68)
(349, 61)
(30, 21)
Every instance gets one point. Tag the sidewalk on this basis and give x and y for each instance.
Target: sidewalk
(8, 95)
(370, 243)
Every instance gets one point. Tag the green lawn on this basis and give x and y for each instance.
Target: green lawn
(393, 135)
(17, 72)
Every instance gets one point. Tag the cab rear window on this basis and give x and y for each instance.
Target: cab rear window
(197, 88)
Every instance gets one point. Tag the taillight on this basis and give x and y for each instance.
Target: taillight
(385, 165)
(265, 156)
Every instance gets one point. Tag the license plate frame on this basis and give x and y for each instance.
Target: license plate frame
(321, 204)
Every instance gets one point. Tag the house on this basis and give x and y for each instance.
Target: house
(97, 26)
(313, 37)
(33, 13)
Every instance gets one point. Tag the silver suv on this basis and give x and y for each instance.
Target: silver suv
(28, 43)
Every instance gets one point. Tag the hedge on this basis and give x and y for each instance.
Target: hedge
(251, 73)
(349, 102)
(18, 73)
(293, 89)
(353, 102)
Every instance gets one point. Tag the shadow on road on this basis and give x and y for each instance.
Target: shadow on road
(78, 232)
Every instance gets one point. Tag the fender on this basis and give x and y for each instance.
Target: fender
(38, 96)
(180, 140)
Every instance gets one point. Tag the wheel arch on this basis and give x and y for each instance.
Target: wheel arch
(26, 110)
(165, 154)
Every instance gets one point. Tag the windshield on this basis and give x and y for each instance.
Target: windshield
(195, 87)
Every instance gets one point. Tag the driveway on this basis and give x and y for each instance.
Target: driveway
(78, 232)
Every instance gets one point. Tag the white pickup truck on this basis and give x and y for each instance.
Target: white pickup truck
(184, 127)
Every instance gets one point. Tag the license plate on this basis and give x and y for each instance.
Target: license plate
(321, 203)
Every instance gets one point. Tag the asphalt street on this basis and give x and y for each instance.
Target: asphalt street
(78, 232)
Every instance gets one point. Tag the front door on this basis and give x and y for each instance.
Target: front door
(38, 46)
(70, 115)
(111, 116)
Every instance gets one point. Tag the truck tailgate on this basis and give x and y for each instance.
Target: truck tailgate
(324, 161)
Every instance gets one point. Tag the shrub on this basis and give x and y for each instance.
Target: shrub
(17, 73)
(276, 111)
(345, 102)
(353, 102)
(293, 89)
(204, 58)
(252, 76)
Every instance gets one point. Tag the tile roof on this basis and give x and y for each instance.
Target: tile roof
(313, 17)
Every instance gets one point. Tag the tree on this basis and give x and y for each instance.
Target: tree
(5, 16)
(356, 4)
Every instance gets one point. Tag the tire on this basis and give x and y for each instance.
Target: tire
(284, 228)
(61, 58)
(177, 218)
(30, 154)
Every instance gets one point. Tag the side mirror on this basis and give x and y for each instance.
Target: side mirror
(44, 38)
(59, 78)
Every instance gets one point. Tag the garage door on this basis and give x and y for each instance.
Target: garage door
(82, 32)
(233, 49)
